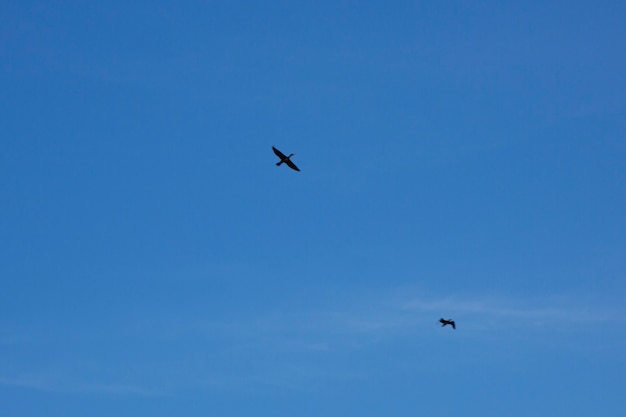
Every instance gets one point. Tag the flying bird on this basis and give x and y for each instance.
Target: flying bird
(446, 322)
(285, 159)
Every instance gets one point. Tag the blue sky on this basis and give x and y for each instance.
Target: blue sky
(464, 160)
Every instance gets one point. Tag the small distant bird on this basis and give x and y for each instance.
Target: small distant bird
(446, 322)
(285, 159)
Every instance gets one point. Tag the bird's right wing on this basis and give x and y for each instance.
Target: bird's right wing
(292, 165)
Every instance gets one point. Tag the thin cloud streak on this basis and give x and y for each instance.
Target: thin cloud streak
(275, 346)
(40, 383)
(291, 377)
(400, 312)
(361, 323)
(360, 320)
(523, 310)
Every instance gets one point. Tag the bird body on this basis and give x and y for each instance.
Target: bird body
(445, 322)
(286, 159)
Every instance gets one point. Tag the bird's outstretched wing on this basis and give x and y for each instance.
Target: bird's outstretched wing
(291, 165)
(453, 325)
(279, 153)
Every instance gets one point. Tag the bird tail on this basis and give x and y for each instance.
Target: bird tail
(278, 163)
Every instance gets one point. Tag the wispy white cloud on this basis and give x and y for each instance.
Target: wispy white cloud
(290, 376)
(404, 310)
(24, 381)
(12, 339)
(361, 320)
(285, 344)
(303, 348)
(561, 309)
(43, 383)
(7, 340)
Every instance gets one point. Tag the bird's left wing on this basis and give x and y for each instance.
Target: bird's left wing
(278, 153)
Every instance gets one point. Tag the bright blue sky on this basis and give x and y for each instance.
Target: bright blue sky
(464, 160)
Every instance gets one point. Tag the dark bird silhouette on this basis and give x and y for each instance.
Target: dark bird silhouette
(285, 159)
(446, 322)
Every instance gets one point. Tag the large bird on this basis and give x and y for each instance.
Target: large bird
(446, 322)
(285, 159)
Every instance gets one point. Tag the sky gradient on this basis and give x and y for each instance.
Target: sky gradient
(464, 160)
